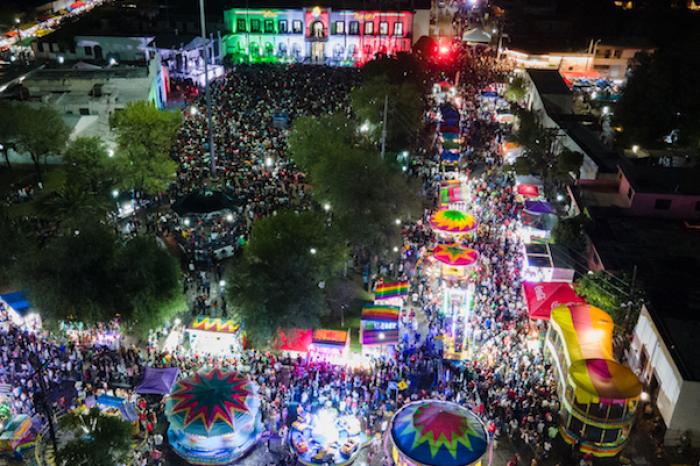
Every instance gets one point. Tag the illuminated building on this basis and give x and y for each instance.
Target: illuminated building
(333, 34)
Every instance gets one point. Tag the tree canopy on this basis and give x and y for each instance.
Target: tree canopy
(88, 166)
(145, 136)
(38, 131)
(405, 109)
(278, 281)
(312, 139)
(608, 292)
(87, 273)
(97, 439)
(662, 94)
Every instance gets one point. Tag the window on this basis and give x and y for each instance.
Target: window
(383, 28)
(269, 26)
(283, 26)
(296, 27)
(339, 28)
(240, 25)
(662, 204)
(88, 51)
(354, 28)
(608, 53)
(398, 28)
(254, 25)
(84, 111)
(618, 53)
(369, 28)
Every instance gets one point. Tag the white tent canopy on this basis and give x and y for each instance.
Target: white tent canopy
(476, 35)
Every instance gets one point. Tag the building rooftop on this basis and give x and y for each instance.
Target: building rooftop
(548, 82)
(667, 256)
(583, 135)
(335, 4)
(656, 179)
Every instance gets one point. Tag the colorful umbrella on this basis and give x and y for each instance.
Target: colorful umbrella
(438, 433)
(455, 255)
(452, 221)
(212, 403)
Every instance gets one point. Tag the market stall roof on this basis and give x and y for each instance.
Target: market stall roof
(212, 403)
(214, 324)
(476, 35)
(377, 336)
(542, 297)
(204, 203)
(538, 207)
(455, 255)
(389, 290)
(586, 330)
(127, 410)
(158, 381)
(603, 381)
(452, 221)
(18, 301)
(380, 313)
(293, 339)
(329, 338)
(439, 433)
(528, 190)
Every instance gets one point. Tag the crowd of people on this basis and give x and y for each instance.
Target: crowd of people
(505, 380)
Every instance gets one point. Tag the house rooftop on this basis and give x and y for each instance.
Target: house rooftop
(667, 180)
(666, 254)
(548, 82)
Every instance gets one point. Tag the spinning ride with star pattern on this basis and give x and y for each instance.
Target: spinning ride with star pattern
(436, 433)
(214, 417)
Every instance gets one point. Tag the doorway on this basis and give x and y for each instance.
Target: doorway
(318, 53)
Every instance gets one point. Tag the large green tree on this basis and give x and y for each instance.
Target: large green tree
(662, 94)
(368, 195)
(405, 107)
(612, 293)
(96, 439)
(37, 131)
(145, 136)
(314, 138)
(88, 166)
(279, 280)
(87, 273)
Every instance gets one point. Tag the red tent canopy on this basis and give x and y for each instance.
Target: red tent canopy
(543, 297)
(294, 339)
(77, 4)
(528, 190)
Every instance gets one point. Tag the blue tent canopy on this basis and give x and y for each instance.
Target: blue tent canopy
(18, 301)
(450, 156)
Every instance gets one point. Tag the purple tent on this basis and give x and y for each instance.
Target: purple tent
(538, 207)
(158, 381)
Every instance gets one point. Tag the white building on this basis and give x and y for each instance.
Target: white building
(664, 354)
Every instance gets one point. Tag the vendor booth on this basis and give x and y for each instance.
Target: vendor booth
(294, 340)
(16, 436)
(379, 328)
(436, 433)
(157, 381)
(391, 292)
(213, 335)
(16, 308)
(547, 263)
(214, 417)
(330, 344)
(116, 406)
(453, 194)
(326, 437)
(542, 297)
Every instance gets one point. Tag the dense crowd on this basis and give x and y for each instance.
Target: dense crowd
(506, 380)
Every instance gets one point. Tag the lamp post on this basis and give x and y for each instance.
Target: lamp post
(210, 126)
(40, 400)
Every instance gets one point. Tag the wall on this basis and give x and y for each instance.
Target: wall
(121, 48)
(642, 204)
(677, 399)
(421, 24)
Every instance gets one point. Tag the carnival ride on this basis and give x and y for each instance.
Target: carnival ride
(214, 417)
(436, 433)
(326, 437)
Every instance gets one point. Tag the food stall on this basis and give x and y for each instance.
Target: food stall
(379, 328)
(214, 335)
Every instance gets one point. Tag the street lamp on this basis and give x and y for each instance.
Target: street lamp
(115, 193)
(268, 162)
(313, 251)
(606, 110)
(229, 218)
(364, 127)
(186, 222)
(110, 152)
(635, 149)
(61, 59)
(326, 206)
(222, 283)
(397, 221)
(193, 110)
(396, 249)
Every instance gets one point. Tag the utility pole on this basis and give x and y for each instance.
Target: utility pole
(210, 125)
(386, 112)
(40, 399)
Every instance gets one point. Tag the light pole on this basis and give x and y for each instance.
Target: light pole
(210, 125)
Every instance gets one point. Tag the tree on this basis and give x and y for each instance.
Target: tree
(38, 131)
(516, 89)
(278, 281)
(86, 273)
(401, 68)
(662, 94)
(367, 195)
(72, 200)
(88, 166)
(144, 137)
(97, 439)
(313, 138)
(15, 244)
(608, 292)
(405, 109)
(569, 232)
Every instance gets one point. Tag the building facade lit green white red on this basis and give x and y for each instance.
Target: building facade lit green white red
(334, 34)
